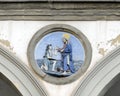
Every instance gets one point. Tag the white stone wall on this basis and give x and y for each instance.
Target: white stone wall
(104, 36)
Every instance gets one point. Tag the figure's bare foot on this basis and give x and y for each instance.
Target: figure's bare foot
(64, 73)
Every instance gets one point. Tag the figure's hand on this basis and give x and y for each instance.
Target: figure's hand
(57, 48)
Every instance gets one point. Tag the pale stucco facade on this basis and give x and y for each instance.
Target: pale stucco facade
(101, 35)
(104, 37)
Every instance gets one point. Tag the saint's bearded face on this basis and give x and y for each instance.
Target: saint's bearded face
(64, 40)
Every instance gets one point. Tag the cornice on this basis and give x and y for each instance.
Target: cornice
(41, 11)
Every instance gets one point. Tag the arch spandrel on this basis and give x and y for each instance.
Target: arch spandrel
(101, 77)
(21, 77)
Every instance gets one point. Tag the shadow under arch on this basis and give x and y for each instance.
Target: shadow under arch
(7, 88)
(100, 78)
(111, 89)
(19, 75)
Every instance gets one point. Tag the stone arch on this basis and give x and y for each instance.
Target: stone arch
(101, 77)
(19, 75)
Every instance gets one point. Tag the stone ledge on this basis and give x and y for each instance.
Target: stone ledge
(59, 0)
(60, 11)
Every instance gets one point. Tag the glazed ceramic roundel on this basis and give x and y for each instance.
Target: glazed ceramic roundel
(59, 54)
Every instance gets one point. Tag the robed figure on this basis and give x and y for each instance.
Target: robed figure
(66, 55)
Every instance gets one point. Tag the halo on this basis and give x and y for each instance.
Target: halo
(66, 36)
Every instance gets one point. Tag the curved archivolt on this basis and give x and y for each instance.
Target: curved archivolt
(19, 75)
(101, 77)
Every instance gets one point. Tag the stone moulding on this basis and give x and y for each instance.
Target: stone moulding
(59, 0)
(101, 77)
(19, 74)
(63, 11)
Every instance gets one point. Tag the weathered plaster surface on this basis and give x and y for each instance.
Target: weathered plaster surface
(6, 43)
(104, 36)
(114, 42)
